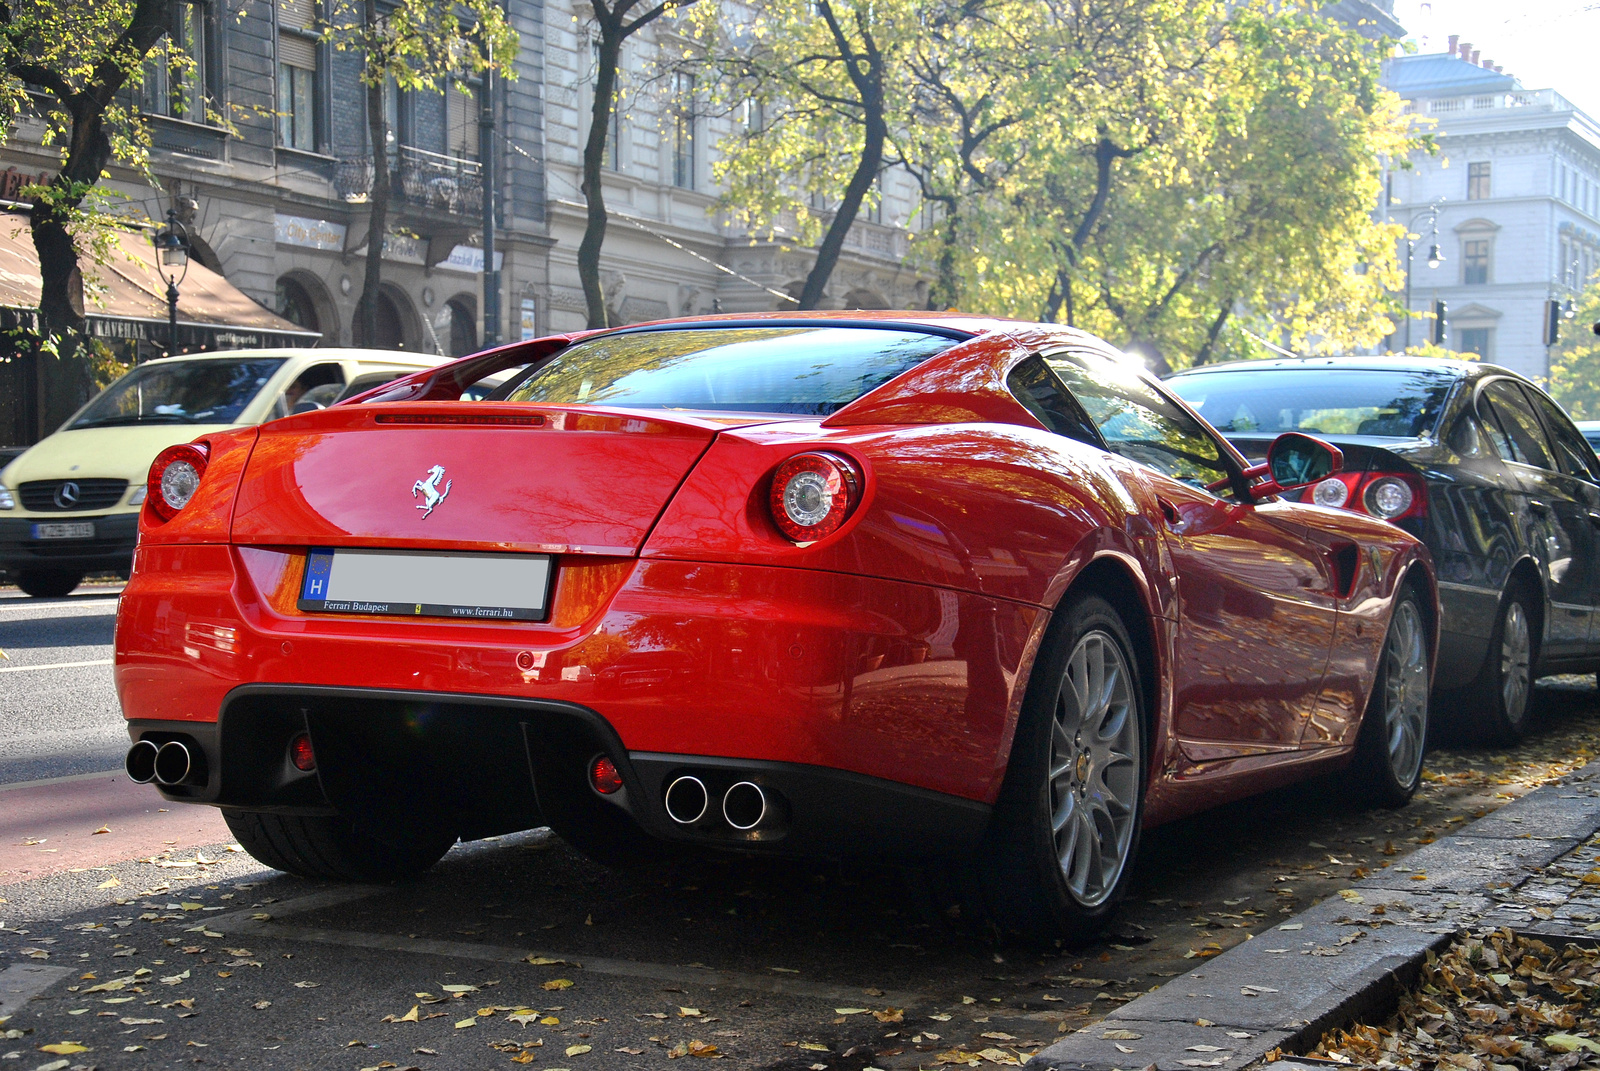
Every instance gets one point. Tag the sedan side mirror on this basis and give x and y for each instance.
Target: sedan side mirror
(1294, 460)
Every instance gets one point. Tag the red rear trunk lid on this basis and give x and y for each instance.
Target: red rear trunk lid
(497, 477)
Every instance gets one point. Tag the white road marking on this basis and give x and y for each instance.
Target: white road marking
(55, 665)
(103, 776)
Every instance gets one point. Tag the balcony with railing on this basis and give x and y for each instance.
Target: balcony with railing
(1535, 100)
(423, 179)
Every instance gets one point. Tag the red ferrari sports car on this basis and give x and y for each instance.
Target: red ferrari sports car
(896, 584)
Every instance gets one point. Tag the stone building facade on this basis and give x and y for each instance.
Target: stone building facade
(1512, 200)
(277, 203)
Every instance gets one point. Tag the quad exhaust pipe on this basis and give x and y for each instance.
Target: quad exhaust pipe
(141, 762)
(170, 763)
(745, 804)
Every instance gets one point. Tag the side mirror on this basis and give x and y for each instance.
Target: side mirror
(1294, 460)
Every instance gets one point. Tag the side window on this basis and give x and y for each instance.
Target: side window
(1573, 452)
(326, 374)
(1139, 422)
(1471, 438)
(1041, 393)
(1507, 404)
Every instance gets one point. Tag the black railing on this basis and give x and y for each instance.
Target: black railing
(418, 177)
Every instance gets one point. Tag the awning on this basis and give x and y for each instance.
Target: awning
(126, 298)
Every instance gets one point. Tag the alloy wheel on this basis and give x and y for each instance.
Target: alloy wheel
(1516, 658)
(1094, 769)
(1406, 692)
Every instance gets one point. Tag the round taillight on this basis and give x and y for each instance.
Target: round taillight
(1331, 492)
(300, 753)
(174, 478)
(604, 777)
(812, 494)
(1389, 497)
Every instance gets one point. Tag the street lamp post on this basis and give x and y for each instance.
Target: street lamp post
(1435, 255)
(172, 261)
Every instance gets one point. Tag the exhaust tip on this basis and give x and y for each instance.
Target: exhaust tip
(173, 763)
(744, 806)
(687, 800)
(141, 762)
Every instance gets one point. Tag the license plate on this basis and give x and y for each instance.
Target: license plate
(75, 530)
(487, 587)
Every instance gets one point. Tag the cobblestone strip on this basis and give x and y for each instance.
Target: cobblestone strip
(1351, 954)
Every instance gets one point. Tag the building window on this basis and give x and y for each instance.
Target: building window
(1474, 340)
(1478, 181)
(176, 73)
(1475, 261)
(683, 162)
(297, 75)
(462, 106)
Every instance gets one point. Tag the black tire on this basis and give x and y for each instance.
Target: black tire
(1024, 872)
(48, 583)
(1394, 731)
(331, 848)
(1496, 703)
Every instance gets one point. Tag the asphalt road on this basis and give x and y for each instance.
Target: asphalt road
(58, 709)
(152, 943)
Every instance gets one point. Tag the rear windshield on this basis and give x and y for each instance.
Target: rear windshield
(1333, 401)
(211, 391)
(809, 370)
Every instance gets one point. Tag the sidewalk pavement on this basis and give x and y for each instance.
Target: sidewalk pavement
(1530, 865)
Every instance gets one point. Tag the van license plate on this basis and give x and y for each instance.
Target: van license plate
(78, 530)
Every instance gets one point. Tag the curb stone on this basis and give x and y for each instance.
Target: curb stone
(1343, 958)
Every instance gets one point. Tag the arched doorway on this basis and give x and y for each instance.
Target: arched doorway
(397, 325)
(463, 337)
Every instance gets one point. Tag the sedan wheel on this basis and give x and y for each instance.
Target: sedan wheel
(1394, 732)
(1497, 701)
(1516, 662)
(1066, 825)
(1094, 764)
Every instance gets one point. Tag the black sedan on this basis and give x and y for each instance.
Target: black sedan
(1482, 466)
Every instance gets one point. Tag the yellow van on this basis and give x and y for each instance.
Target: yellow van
(69, 506)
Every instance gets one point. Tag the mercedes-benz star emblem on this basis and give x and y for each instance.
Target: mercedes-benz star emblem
(67, 495)
(428, 488)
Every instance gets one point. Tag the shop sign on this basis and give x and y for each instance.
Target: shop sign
(470, 258)
(12, 182)
(126, 329)
(311, 233)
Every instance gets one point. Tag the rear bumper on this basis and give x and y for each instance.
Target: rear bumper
(879, 712)
(111, 549)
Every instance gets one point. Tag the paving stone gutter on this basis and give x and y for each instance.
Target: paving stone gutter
(1352, 954)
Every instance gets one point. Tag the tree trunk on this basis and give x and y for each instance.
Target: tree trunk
(947, 288)
(377, 197)
(1207, 350)
(877, 133)
(594, 158)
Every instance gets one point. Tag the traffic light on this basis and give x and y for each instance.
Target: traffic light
(1441, 333)
(1552, 322)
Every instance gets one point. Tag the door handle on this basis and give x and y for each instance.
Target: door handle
(1170, 512)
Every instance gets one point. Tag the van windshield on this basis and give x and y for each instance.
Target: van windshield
(211, 391)
(781, 369)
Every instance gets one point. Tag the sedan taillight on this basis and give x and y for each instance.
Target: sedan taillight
(174, 478)
(812, 494)
(1389, 495)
